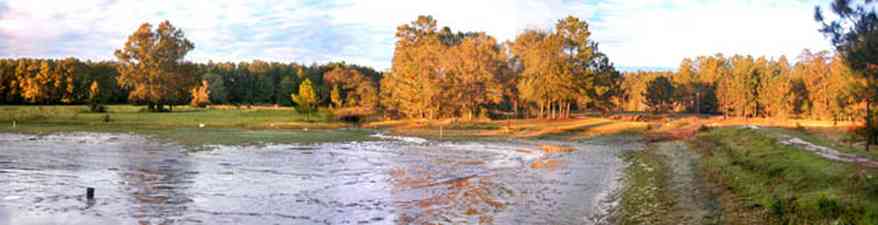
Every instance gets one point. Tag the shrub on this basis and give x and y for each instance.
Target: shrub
(97, 108)
(828, 207)
(201, 95)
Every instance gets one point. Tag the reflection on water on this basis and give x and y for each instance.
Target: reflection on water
(139, 181)
(157, 183)
(472, 197)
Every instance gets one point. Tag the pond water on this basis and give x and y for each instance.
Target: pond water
(396, 181)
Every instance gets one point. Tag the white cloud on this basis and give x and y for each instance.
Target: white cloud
(663, 34)
(633, 32)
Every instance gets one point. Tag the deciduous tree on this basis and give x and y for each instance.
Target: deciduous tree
(151, 65)
(306, 100)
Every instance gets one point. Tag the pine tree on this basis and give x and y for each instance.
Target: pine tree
(854, 34)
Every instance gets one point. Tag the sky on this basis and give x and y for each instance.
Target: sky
(649, 34)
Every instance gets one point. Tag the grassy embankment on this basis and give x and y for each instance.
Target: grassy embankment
(732, 174)
(779, 184)
(747, 177)
(221, 126)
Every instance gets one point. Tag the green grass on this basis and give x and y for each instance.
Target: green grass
(181, 117)
(784, 185)
(645, 196)
(222, 126)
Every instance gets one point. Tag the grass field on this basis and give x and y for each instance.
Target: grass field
(221, 126)
(122, 115)
(778, 184)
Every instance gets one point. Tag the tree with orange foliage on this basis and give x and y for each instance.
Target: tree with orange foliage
(151, 65)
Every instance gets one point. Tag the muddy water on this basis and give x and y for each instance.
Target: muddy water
(396, 181)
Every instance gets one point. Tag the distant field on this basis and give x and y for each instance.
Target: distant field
(182, 116)
(183, 125)
(263, 124)
(569, 129)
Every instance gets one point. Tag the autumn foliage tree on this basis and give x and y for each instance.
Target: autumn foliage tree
(561, 69)
(151, 65)
(201, 95)
(95, 98)
(306, 100)
(817, 86)
(440, 73)
(351, 89)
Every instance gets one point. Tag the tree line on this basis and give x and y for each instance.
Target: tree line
(68, 81)
(818, 86)
(440, 73)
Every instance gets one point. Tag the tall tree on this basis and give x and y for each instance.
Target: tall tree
(151, 65)
(470, 75)
(687, 83)
(855, 36)
(411, 87)
(561, 69)
(538, 64)
(777, 95)
(260, 86)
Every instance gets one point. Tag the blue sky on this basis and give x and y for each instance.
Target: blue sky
(634, 33)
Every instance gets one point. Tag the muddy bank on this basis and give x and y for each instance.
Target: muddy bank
(380, 182)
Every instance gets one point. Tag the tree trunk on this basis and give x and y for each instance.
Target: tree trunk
(552, 111)
(540, 116)
(568, 110)
(697, 101)
(869, 130)
(515, 108)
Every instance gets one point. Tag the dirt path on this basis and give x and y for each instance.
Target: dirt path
(693, 202)
(826, 152)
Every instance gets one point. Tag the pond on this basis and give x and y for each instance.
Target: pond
(398, 180)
